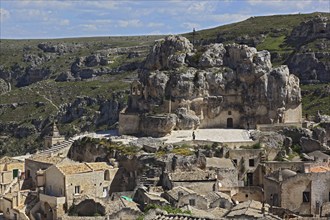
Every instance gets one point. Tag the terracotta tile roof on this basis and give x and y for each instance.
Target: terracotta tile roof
(319, 169)
(99, 166)
(47, 159)
(76, 168)
(193, 175)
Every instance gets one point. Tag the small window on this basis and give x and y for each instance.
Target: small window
(306, 196)
(251, 162)
(192, 202)
(77, 189)
(235, 162)
(229, 112)
(329, 196)
(107, 175)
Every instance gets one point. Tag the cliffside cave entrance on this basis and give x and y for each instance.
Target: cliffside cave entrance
(230, 123)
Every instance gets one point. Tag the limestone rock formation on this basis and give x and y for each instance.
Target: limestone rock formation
(168, 53)
(216, 86)
(4, 86)
(318, 27)
(309, 66)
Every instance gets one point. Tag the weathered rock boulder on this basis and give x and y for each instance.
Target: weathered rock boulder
(158, 125)
(309, 145)
(296, 134)
(4, 86)
(320, 134)
(64, 77)
(168, 53)
(186, 120)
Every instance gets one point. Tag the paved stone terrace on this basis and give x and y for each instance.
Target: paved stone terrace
(215, 135)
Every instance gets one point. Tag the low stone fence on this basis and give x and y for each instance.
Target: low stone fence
(277, 127)
(83, 218)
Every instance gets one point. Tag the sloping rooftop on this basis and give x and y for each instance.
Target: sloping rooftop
(9, 160)
(76, 168)
(249, 209)
(174, 193)
(213, 196)
(48, 159)
(193, 175)
(281, 175)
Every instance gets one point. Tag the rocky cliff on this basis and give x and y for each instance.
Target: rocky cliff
(214, 86)
(311, 62)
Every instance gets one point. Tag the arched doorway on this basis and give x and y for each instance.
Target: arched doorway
(48, 211)
(230, 123)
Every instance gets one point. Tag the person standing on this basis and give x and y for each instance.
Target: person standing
(193, 135)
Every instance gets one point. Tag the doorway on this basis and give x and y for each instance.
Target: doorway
(230, 123)
(249, 179)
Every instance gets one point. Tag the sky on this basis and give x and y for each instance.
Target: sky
(29, 19)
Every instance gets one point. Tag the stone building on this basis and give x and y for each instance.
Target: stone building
(9, 170)
(302, 193)
(200, 181)
(66, 184)
(40, 162)
(246, 162)
(222, 86)
(54, 137)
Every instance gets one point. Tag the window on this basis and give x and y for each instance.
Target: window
(235, 162)
(329, 196)
(306, 196)
(251, 162)
(192, 202)
(107, 175)
(77, 189)
(229, 112)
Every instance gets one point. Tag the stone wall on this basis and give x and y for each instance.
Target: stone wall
(248, 193)
(200, 187)
(200, 202)
(129, 123)
(31, 168)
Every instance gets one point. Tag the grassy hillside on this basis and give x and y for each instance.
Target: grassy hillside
(264, 33)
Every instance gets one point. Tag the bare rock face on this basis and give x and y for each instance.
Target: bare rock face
(218, 86)
(309, 145)
(311, 67)
(213, 56)
(318, 27)
(168, 53)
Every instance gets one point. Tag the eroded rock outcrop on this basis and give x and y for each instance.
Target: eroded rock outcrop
(216, 86)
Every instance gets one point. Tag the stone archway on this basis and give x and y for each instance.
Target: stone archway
(89, 207)
(48, 211)
(230, 123)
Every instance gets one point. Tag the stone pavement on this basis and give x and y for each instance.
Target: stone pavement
(215, 135)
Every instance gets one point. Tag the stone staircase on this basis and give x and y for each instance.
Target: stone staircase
(65, 145)
(10, 186)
